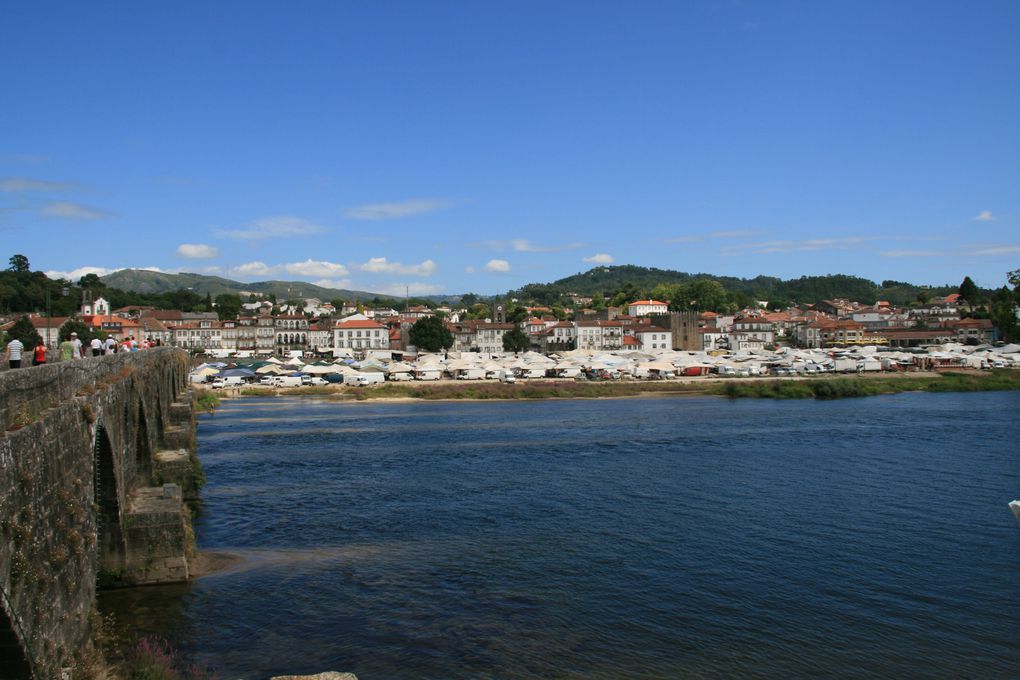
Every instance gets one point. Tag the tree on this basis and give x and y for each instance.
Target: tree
(1014, 279)
(517, 314)
(228, 306)
(516, 341)
(19, 263)
(969, 292)
(478, 311)
(430, 334)
(72, 326)
(24, 330)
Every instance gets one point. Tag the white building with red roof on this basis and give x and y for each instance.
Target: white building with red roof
(646, 307)
(360, 332)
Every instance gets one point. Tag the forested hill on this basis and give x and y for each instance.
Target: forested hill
(150, 282)
(610, 281)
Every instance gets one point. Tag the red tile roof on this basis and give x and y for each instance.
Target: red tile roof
(358, 323)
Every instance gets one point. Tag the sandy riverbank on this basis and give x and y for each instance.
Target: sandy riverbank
(823, 386)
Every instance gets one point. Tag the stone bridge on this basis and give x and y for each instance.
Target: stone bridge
(95, 456)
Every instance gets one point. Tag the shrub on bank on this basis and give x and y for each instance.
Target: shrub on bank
(152, 658)
(206, 400)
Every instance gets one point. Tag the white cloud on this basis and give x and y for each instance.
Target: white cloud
(599, 258)
(697, 238)
(469, 269)
(333, 283)
(16, 185)
(306, 269)
(984, 216)
(197, 251)
(315, 268)
(252, 269)
(910, 253)
(735, 233)
(497, 266)
(76, 274)
(400, 289)
(73, 211)
(278, 226)
(994, 251)
(379, 265)
(27, 158)
(523, 245)
(390, 211)
(807, 245)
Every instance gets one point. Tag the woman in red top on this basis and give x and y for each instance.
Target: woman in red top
(39, 354)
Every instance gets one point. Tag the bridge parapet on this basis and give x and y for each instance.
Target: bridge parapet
(78, 462)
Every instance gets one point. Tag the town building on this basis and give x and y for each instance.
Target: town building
(647, 308)
(358, 332)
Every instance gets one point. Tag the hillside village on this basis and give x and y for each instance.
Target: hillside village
(320, 329)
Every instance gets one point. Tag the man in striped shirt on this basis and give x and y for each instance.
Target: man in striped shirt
(13, 353)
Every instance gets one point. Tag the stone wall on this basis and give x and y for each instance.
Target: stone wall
(78, 441)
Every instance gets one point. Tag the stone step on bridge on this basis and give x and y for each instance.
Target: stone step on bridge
(97, 457)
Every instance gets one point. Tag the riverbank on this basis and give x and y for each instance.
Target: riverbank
(818, 387)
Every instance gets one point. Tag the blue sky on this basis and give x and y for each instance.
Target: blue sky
(448, 147)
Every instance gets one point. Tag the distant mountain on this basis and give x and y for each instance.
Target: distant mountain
(149, 282)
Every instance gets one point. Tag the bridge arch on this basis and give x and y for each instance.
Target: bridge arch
(109, 536)
(14, 662)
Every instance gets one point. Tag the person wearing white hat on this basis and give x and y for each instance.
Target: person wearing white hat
(77, 352)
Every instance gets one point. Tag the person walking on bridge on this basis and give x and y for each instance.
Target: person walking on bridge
(13, 353)
(39, 354)
(70, 348)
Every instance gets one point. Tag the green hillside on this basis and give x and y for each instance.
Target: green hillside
(609, 281)
(149, 283)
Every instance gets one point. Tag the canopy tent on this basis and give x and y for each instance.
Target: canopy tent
(237, 373)
(321, 369)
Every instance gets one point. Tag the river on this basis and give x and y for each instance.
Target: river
(640, 538)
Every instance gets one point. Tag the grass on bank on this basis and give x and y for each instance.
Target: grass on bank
(822, 387)
(490, 391)
(206, 400)
(842, 387)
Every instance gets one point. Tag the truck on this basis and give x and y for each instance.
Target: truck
(231, 381)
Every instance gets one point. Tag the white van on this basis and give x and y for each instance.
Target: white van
(364, 379)
(287, 381)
